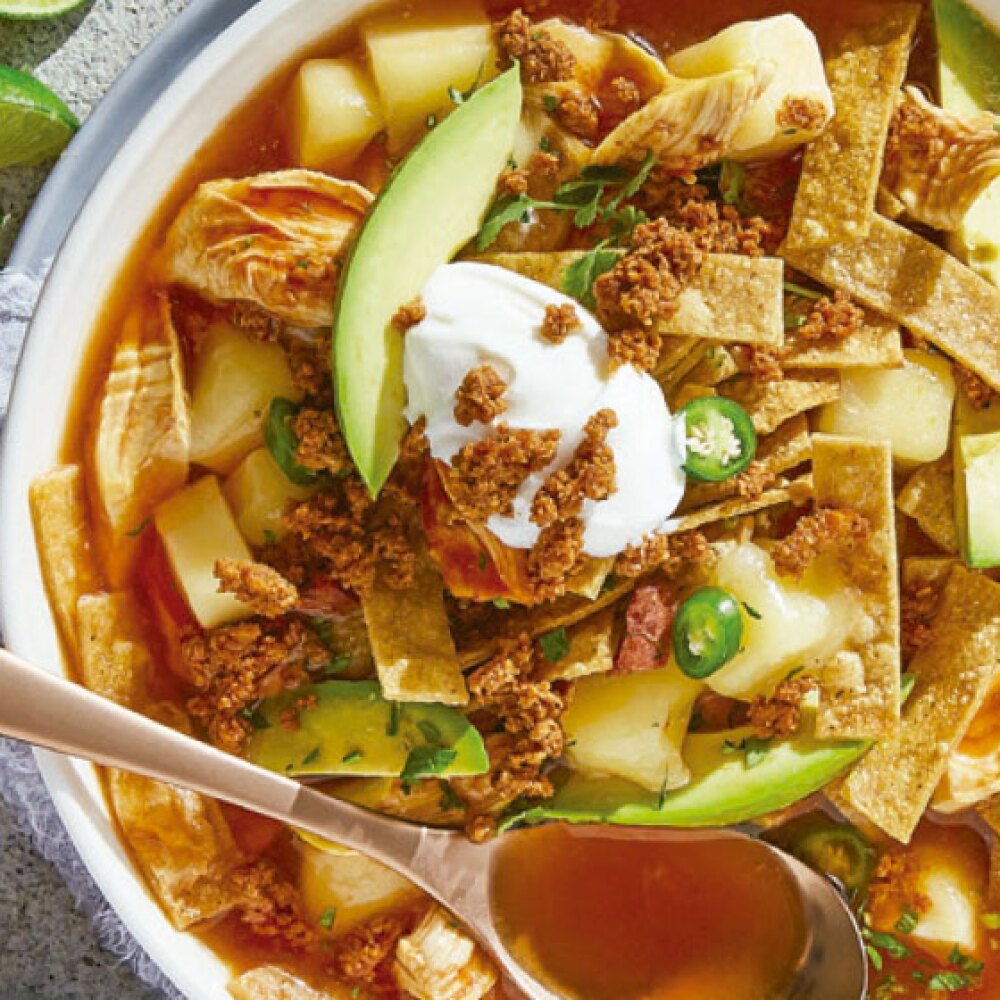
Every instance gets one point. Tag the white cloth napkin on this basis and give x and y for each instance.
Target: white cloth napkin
(21, 785)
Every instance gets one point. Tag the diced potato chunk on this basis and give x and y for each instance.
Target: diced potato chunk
(235, 379)
(631, 726)
(799, 624)
(415, 59)
(797, 104)
(198, 528)
(356, 886)
(910, 407)
(334, 111)
(259, 494)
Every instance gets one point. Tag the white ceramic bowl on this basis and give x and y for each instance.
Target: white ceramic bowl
(138, 179)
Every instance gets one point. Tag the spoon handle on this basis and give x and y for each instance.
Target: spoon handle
(48, 711)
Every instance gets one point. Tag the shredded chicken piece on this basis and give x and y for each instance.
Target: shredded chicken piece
(480, 396)
(833, 319)
(937, 163)
(228, 667)
(976, 391)
(672, 554)
(778, 716)
(805, 114)
(590, 474)
(262, 588)
(409, 315)
(815, 533)
(271, 907)
(578, 113)
(321, 446)
(643, 286)
(485, 475)
(503, 689)
(560, 322)
(542, 58)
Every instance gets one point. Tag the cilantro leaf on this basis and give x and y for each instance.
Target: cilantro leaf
(425, 762)
(326, 921)
(504, 212)
(501, 603)
(731, 180)
(908, 920)
(965, 962)
(949, 982)
(753, 748)
(555, 645)
(311, 757)
(430, 732)
(395, 712)
(578, 279)
(889, 944)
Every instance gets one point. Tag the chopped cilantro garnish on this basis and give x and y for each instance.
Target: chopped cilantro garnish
(458, 97)
(270, 537)
(329, 917)
(964, 962)
(311, 757)
(483, 562)
(907, 920)
(801, 290)
(395, 712)
(502, 603)
(578, 279)
(555, 645)
(610, 582)
(138, 529)
(886, 942)
(450, 799)
(431, 732)
(793, 320)
(551, 102)
(751, 611)
(874, 957)
(731, 180)
(425, 762)
(352, 756)
(753, 748)
(545, 144)
(949, 982)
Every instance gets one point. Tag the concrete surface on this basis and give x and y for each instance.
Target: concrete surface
(48, 951)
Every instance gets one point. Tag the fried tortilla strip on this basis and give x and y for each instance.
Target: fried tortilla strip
(59, 515)
(990, 812)
(770, 404)
(877, 344)
(929, 498)
(591, 649)
(787, 447)
(732, 298)
(857, 474)
(919, 285)
(893, 783)
(411, 639)
(271, 983)
(477, 639)
(926, 571)
(840, 170)
(114, 659)
(589, 581)
(739, 506)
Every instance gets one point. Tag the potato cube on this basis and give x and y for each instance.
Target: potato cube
(235, 379)
(334, 111)
(259, 494)
(197, 528)
(797, 104)
(910, 407)
(415, 59)
(631, 726)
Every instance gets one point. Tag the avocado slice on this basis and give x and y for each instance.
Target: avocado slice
(969, 81)
(432, 206)
(981, 487)
(353, 730)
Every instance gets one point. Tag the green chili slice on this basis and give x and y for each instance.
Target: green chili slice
(839, 851)
(282, 443)
(707, 631)
(719, 438)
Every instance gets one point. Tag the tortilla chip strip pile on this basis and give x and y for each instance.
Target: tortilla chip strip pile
(893, 783)
(856, 474)
(798, 490)
(929, 498)
(732, 298)
(411, 639)
(770, 404)
(920, 286)
(592, 645)
(841, 169)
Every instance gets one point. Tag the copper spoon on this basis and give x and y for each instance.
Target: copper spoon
(51, 712)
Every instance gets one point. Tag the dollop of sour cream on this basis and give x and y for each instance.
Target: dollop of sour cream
(479, 314)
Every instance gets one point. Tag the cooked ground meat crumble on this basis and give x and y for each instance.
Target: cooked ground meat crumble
(779, 716)
(672, 554)
(555, 557)
(364, 955)
(480, 396)
(271, 906)
(801, 113)
(832, 319)
(815, 534)
(409, 315)
(560, 322)
(541, 57)
(579, 114)
(321, 446)
(264, 589)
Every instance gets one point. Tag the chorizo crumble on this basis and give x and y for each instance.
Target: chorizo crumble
(555, 556)
(321, 446)
(364, 954)
(821, 531)
(672, 554)
(779, 716)
(409, 315)
(832, 319)
(578, 113)
(806, 114)
(542, 58)
(270, 906)
(480, 396)
(264, 589)
(560, 322)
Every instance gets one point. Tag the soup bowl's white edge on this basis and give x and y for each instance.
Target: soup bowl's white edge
(189, 111)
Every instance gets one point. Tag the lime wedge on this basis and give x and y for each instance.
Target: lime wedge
(37, 8)
(34, 124)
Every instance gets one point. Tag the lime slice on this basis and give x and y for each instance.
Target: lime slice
(34, 124)
(37, 8)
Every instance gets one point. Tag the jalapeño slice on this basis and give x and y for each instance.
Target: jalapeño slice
(707, 631)
(839, 851)
(719, 438)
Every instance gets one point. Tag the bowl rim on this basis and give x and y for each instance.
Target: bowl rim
(206, 49)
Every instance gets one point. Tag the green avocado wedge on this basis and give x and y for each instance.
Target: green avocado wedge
(723, 789)
(353, 730)
(430, 208)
